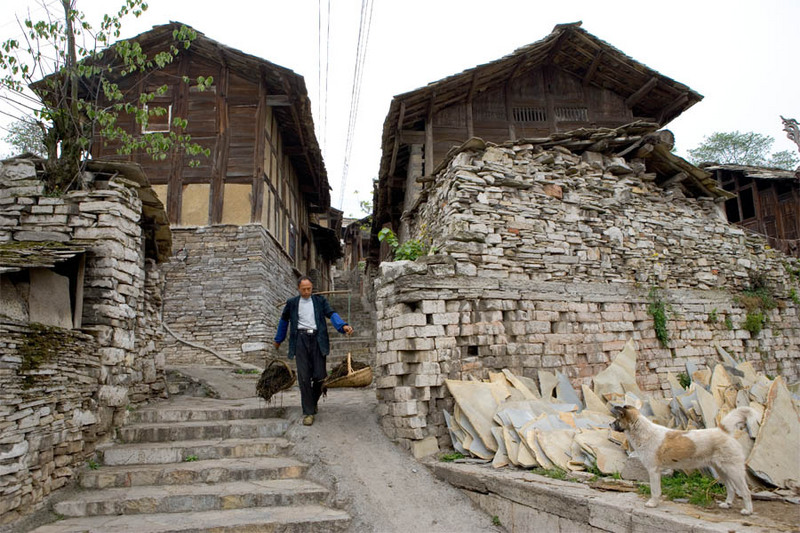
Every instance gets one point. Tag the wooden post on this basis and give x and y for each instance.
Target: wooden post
(512, 130)
(257, 204)
(396, 146)
(175, 180)
(429, 140)
(470, 94)
(219, 167)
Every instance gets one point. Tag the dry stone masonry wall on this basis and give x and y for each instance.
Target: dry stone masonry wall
(49, 418)
(59, 396)
(548, 259)
(223, 285)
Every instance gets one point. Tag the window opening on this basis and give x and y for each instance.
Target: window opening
(157, 123)
(529, 114)
(572, 114)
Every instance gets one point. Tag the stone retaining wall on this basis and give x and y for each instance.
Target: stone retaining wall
(50, 417)
(57, 409)
(546, 260)
(224, 285)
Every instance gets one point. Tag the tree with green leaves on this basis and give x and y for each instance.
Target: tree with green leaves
(66, 73)
(746, 148)
(27, 135)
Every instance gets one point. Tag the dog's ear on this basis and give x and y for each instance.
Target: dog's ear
(617, 411)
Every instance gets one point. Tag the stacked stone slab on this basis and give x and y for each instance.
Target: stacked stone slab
(225, 285)
(56, 407)
(545, 259)
(48, 423)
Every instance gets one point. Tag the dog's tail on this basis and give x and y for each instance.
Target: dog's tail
(739, 416)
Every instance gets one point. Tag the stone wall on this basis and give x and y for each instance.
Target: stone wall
(81, 390)
(49, 413)
(224, 287)
(550, 260)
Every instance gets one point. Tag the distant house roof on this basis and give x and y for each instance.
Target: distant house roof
(758, 173)
(568, 47)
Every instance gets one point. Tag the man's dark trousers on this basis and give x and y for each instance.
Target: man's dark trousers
(310, 371)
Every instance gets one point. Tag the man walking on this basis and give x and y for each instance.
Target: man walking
(304, 318)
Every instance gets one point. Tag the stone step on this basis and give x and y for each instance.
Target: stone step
(180, 413)
(305, 518)
(175, 452)
(203, 430)
(187, 472)
(192, 498)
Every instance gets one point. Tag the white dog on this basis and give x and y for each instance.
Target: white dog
(658, 448)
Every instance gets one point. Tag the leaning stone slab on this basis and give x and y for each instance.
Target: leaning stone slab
(775, 457)
(49, 300)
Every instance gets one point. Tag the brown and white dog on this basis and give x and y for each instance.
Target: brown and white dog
(658, 448)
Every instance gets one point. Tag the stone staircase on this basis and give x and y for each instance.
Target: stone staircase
(199, 464)
(359, 314)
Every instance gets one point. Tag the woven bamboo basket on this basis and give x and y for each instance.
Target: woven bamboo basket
(354, 378)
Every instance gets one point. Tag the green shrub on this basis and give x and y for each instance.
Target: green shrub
(658, 310)
(409, 250)
(450, 457)
(754, 322)
(728, 323)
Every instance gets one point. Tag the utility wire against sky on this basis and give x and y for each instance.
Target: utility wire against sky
(322, 73)
(358, 74)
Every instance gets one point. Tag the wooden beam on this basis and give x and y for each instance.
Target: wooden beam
(396, 146)
(640, 93)
(512, 130)
(429, 138)
(278, 100)
(681, 100)
(516, 69)
(257, 204)
(412, 137)
(292, 151)
(219, 166)
(175, 187)
(472, 83)
(470, 121)
(299, 126)
(674, 180)
(593, 67)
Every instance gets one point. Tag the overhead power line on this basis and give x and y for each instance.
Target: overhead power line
(322, 71)
(358, 74)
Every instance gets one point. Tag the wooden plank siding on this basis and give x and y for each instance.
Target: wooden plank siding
(232, 119)
(536, 104)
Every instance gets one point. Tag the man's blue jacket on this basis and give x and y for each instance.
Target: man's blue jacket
(290, 318)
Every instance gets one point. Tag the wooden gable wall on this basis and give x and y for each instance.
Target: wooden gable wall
(540, 102)
(248, 177)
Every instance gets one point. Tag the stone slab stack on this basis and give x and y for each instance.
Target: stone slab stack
(545, 259)
(87, 385)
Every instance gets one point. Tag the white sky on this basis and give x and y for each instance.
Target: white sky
(741, 55)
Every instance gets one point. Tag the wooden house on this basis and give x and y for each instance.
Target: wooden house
(568, 80)
(767, 202)
(250, 217)
(265, 165)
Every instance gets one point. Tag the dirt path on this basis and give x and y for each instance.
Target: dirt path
(381, 485)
